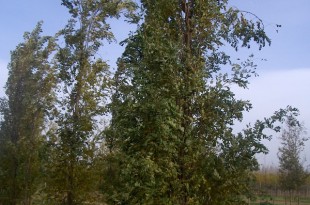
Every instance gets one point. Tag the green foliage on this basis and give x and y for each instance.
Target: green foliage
(171, 139)
(29, 97)
(83, 87)
(292, 173)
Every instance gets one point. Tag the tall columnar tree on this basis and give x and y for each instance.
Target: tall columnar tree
(84, 82)
(292, 172)
(28, 89)
(171, 138)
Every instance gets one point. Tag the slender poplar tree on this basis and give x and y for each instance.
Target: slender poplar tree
(84, 81)
(292, 172)
(28, 89)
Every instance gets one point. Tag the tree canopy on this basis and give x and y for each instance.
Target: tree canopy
(173, 110)
(292, 172)
(24, 112)
(170, 108)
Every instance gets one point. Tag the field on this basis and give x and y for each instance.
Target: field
(269, 192)
(280, 200)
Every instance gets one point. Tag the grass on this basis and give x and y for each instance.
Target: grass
(280, 200)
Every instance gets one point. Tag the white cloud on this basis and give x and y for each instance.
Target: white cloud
(276, 89)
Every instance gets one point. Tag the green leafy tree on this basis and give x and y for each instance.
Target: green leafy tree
(292, 173)
(83, 87)
(171, 137)
(28, 89)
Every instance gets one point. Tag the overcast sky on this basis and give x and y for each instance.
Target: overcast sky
(284, 77)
